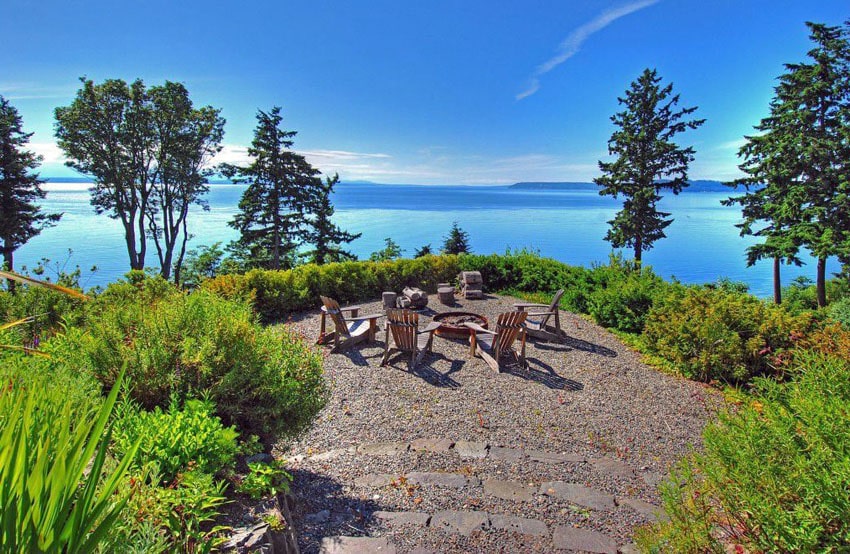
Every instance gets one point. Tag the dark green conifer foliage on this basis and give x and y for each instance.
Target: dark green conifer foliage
(808, 144)
(424, 251)
(391, 251)
(326, 237)
(457, 241)
(647, 161)
(20, 217)
(272, 210)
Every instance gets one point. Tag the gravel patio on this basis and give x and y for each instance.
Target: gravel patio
(452, 457)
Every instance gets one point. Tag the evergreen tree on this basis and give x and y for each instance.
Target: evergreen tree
(647, 162)
(424, 251)
(809, 130)
(391, 251)
(326, 237)
(457, 241)
(272, 215)
(20, 218)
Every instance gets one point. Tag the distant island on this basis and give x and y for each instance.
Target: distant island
(695, 186)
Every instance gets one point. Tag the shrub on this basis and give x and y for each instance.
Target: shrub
(177, 440)
(774, 474)
(840, 312)
(265, 381)
(622, 294)
(265, 480)
(711, 334)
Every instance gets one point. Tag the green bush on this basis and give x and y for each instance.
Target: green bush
(265, 480)
(622, 294)
(774, 474)
(840, 312)
(711, 334)
(177, 440)
(265, 381)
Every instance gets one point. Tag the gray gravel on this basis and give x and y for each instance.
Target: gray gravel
(617, 424)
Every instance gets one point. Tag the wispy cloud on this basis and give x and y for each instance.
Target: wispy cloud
(31, 91)
(572, 44)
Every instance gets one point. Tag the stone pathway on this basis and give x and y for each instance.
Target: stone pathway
(380, 530)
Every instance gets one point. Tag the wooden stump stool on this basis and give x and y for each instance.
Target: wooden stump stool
(446, 295)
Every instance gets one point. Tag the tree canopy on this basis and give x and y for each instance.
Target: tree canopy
(457, 241)
(20, 187)
(326, 237)
(647, 161)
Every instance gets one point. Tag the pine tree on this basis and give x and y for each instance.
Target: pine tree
(272, 215)
(391, 251)
(647, 162)
(457, 241)
(326, 237)
(20, 218)
(424, 251)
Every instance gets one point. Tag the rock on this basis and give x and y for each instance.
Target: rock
(383, 448)
(649, 511)
(612, 466)
(571, 538)
(318, 517)
(554, 457)
(463, 523)
(403, 518)
(431, 445)
(630, 548)
(453, 480)
(356, 545)
(520, 525)
(373, 480)
(250, 539)
(578, 494)
(508, 490)
(468, 449)
(508, 454)
(261, 458)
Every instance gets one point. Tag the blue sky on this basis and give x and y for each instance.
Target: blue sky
(437, 92)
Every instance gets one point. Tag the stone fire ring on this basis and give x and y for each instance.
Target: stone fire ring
(452, 324)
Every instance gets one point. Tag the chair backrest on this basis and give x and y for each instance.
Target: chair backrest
(333, 310)
(556, 300)
(403, 325)
(508, 328)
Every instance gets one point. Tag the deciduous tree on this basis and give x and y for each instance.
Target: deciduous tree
(647, 161)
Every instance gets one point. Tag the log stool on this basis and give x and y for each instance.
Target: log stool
(446, 295)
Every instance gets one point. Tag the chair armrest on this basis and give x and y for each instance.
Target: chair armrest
(433, 326)
(347, 309)
(363, 317)
(527, 305)
(477, 328)
(541, 313)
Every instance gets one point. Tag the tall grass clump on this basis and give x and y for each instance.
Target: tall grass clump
(56, 494)
(774, 473)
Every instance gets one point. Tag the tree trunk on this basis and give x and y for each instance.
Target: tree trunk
(777, 281)
(821, 282)
(9, 264)
(638, 252)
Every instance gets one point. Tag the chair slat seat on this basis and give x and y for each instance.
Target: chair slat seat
(539, 316)
(493, 345)
(403, 328)
(347, 331)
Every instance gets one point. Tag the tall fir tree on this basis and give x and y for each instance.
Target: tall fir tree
(272, 210)
(326, 238)
(457, 241)
(647, 162)
(810, 123)
(20, 187)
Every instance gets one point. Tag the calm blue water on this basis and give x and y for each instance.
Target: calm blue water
(701, 245)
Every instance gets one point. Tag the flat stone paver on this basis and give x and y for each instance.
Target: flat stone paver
(431, 445)
(578, 494)
(507, 454)
(453, 480)
(470, 449)
(554, 457)
(571, 538)
(420, 519)
(509, 490)
(520, 525)
(464, 523)
(383, 448)
(374, 480)
(356, 545)
(612, 466)
(650, 511)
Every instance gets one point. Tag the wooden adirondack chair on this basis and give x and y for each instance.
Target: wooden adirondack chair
(493, 345)
(403, 325)
(537, 322)
(348, 331)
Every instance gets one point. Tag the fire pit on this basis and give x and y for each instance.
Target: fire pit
(452, 324)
